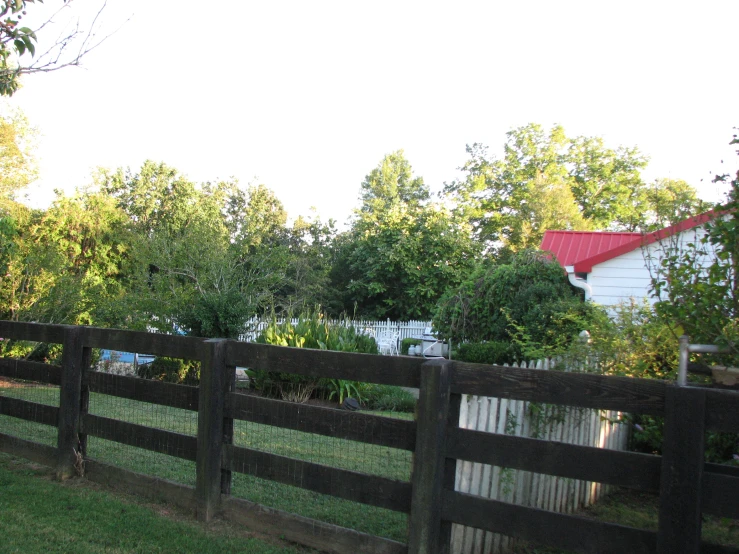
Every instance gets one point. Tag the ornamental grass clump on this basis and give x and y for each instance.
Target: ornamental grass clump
(312, 330)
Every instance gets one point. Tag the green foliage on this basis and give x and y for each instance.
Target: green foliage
(493, 352)
(341, 388)
(171, 370)
(527, 299)
(635, 342)
(696, 280)
(387, 398)
(15, 41)
(34, 351)
(311, 331)
(546, 180)
(17, 161)
(202, 258)
(402, 251)
(649, 433)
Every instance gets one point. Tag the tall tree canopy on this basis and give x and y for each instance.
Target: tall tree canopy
(203, 258)
(402, 251)
(17, 162)
(546, 180)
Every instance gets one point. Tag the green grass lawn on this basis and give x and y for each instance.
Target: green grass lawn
(624, 507)
(41, 515)
(640, 510)
(351, 455)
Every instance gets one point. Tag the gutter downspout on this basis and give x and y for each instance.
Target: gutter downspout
(579, 283)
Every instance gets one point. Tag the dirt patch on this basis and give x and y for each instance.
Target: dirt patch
(7, 383)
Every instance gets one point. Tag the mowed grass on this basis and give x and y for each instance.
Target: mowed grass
(350, 455)
(41, 515)
(640, 510)
(622, 507)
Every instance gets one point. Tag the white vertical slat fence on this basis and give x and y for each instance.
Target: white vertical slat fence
(405, 329)
(525, 419)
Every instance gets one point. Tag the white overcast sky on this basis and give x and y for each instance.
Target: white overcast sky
(307, 97)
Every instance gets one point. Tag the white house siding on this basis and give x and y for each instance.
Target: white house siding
(627, 276)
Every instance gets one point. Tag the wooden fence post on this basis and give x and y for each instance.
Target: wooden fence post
(228, 430)
(85, 394)
(69, 404)
(427, 480)
(450, 473)
(682, 471)
(211, 402)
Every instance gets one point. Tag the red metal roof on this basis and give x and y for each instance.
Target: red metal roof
(586, 249)
(572, 246)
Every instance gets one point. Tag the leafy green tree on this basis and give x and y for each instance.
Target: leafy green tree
(606, 182)
(390, 183)
(697, 281)
(18, 43)
(546, 180)
(669, 201)
(402, 251)
(17, 163)
(526, 298)
(63, 265)
(203, 258)
(311, 244)
(89, 235)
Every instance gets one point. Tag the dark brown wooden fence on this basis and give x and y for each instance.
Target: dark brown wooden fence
(687, 486)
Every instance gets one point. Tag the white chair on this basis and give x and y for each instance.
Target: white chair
(388, 344)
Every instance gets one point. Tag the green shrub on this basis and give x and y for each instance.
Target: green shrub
(493, 352)
(649, 432)
(387, 398)
(528, 300)
(311, 331)
(171, 370)
(405, 345)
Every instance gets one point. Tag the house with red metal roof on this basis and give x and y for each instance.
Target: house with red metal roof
(614, 267)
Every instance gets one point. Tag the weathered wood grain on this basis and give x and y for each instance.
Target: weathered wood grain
(228, 430)
(310, 532)
(572, 533)
(145, 390)
(424, 522)
(403, 371)
(36, 332)
(342, 483)
(625, 469)
(30, 411)
(157, 440)
(722, 410)
(212, 393)
(371, 429)
(720, 493)
(157, 344)
(85, 393)
(30, 371)
(39, 453)
(70, 391)
(450, 472)
(638, 396)
(680, 521)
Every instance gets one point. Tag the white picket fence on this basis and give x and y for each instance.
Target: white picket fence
(519, 418)
(405, 329)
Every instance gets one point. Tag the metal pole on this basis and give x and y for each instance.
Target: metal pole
(682, 366)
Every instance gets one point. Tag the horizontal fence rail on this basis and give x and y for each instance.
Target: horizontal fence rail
(440, 444)
(382, 431)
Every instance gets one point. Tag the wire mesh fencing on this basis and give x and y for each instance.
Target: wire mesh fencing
(30, 429)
